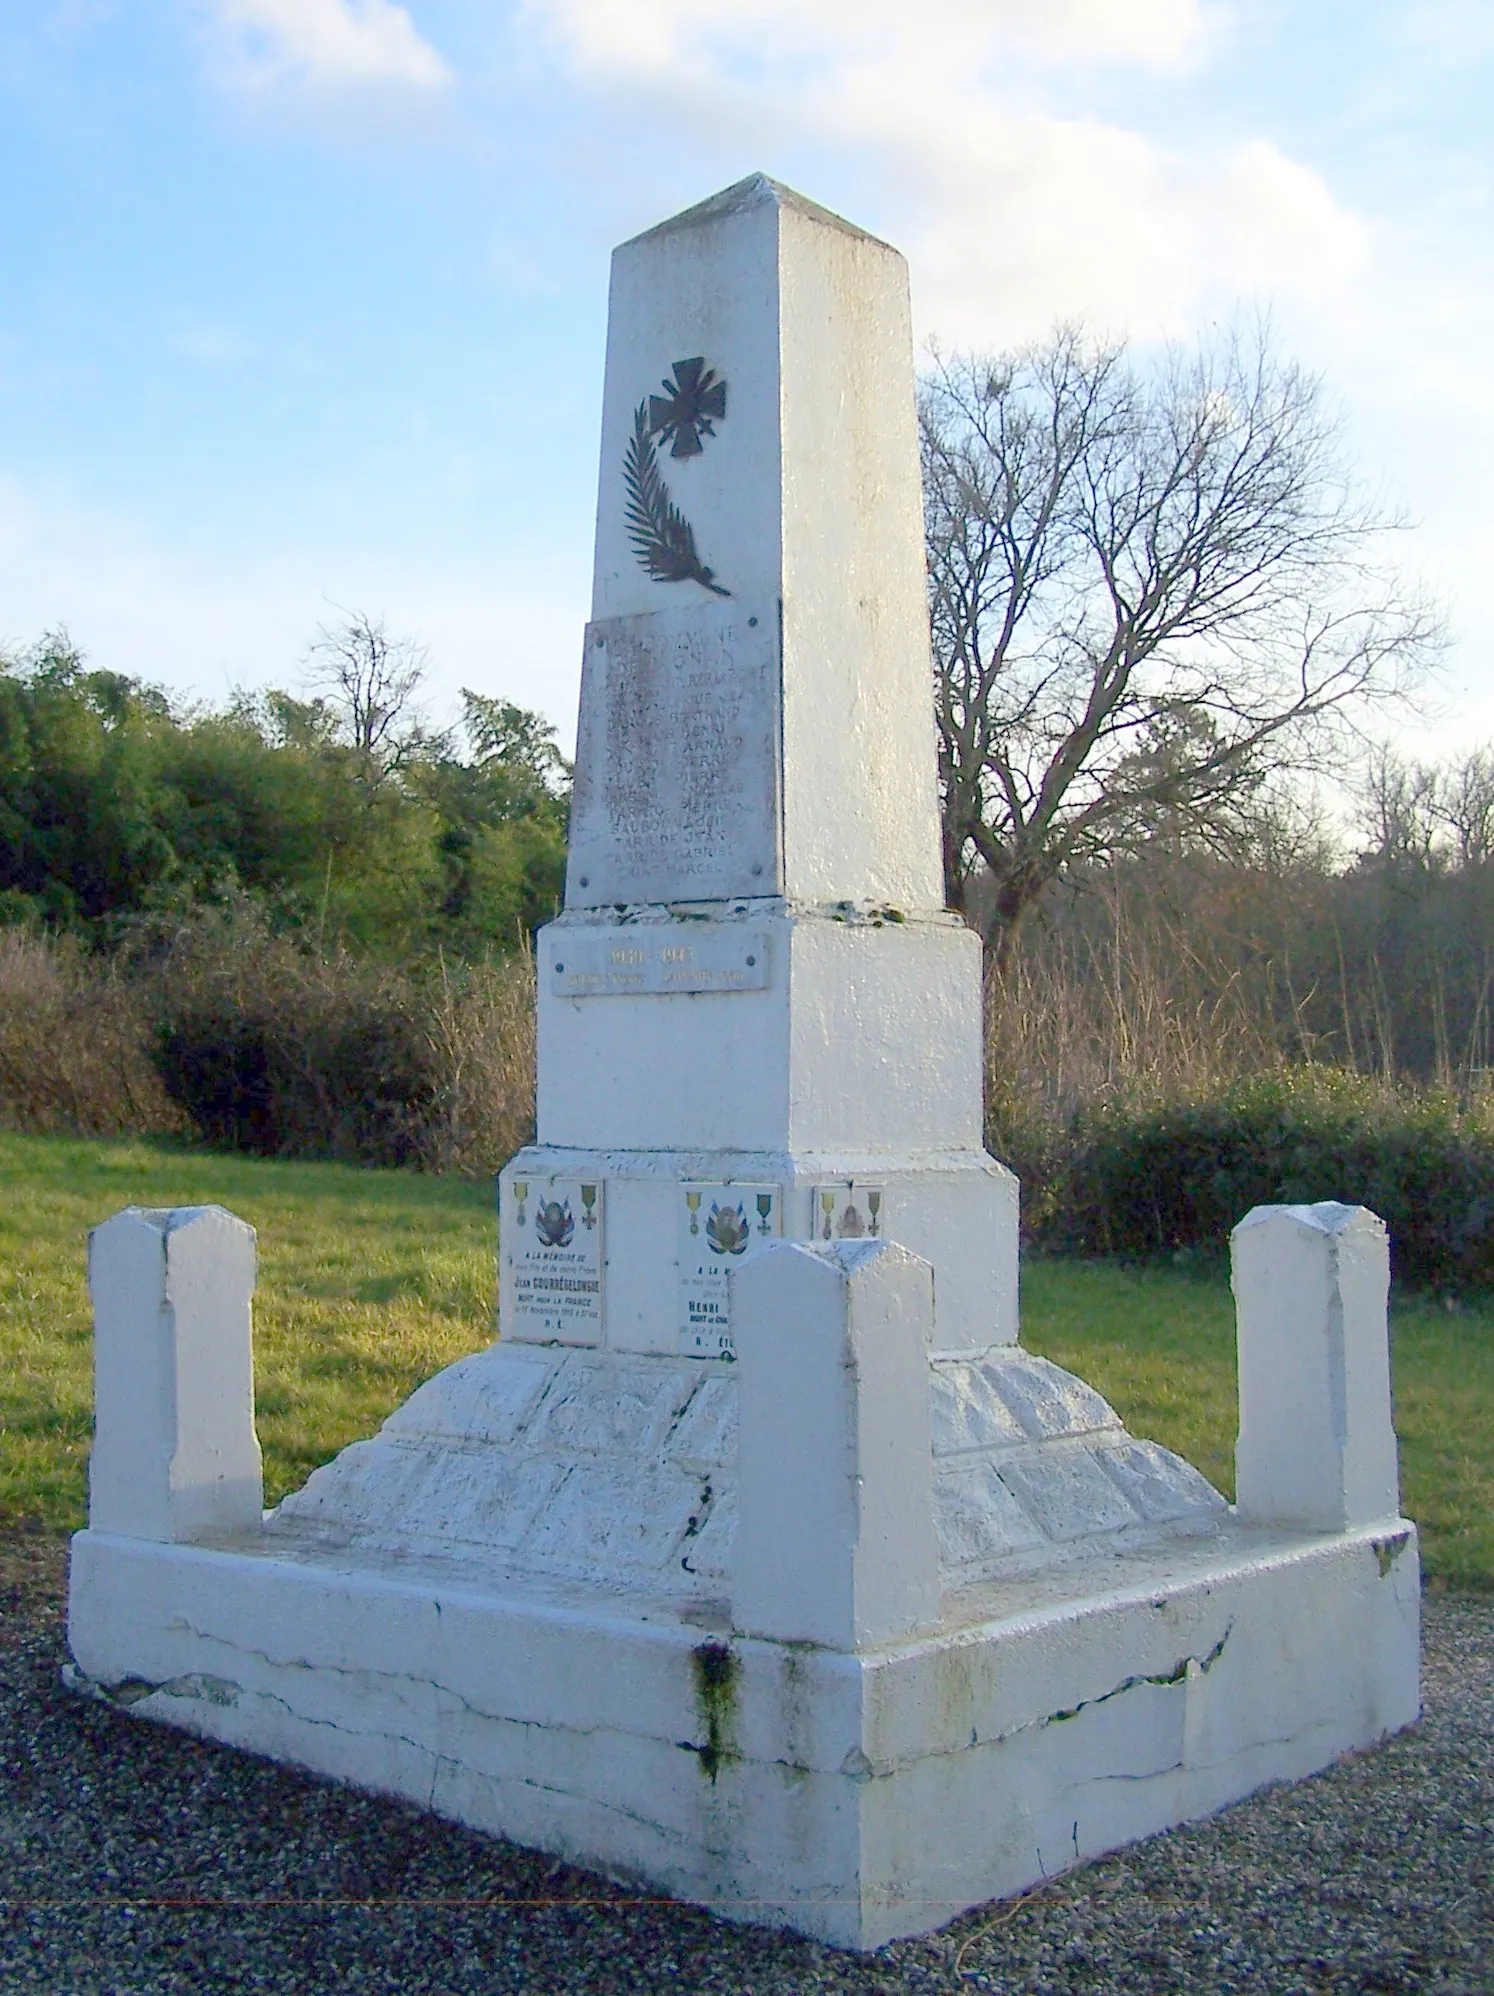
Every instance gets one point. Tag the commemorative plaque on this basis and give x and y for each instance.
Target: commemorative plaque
(717, 1223)
(551, 1238)
(659, 959)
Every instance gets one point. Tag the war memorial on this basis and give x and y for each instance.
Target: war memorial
(756, 1560)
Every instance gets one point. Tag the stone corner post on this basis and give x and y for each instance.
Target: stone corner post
(175, 1456)
(1316, 1447)
(835, 1534)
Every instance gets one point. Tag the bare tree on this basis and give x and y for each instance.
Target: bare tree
(370, 680)
(1428, 815)
(1151, 592)
(1402, 811)
(1468, 807)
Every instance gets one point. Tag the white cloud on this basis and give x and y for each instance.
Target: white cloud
(1012, 213)
(1284, 226)
(1013, 219)
(1161, 33)
(329, 42)
(637, 37)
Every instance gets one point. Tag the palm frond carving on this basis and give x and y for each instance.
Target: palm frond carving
(662, 538)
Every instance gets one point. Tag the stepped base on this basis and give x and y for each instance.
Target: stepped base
(855, 1798)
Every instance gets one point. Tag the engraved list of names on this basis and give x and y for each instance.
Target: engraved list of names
(676, 793)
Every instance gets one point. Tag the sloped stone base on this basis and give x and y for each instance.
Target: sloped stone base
(620, 1468)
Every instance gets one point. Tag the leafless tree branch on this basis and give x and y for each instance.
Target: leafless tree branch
(1151, 592)
(370, 680)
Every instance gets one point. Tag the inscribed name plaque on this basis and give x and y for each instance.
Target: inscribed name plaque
(551, 1237)
(718, 1223)
(652, 960)
(676, 790)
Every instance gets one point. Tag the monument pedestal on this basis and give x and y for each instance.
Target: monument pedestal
(853, 1797)
(757, 1560)
(850, 1662)
(810, 1073)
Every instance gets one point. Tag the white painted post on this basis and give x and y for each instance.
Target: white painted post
(1316, 1446)
(835, 1529)
(175, 1456)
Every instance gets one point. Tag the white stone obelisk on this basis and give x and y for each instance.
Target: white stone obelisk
(755, 1017)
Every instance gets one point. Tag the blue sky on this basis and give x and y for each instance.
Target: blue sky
(302, 302)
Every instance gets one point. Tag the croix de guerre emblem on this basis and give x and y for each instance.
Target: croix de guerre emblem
(687, 412)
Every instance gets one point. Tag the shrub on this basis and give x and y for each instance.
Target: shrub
(1178, 1176)
(219, 1028)
(271, 1048)
(74, 1045)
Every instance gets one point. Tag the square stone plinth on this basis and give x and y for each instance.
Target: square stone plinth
(853, 1797)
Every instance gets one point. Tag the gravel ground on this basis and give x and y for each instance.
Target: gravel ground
(135, 1861)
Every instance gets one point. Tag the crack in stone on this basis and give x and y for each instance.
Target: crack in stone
(223, 1691)
(130, 1692)
(1176, 1675)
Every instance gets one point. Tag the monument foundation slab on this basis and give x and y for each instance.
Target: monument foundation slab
(856, 1797)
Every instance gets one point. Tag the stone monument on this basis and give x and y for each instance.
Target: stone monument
(756, 1559)
(756, 1019)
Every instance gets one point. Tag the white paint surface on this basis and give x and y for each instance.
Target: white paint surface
(754, 981)
(835, 1506)
(707, 284)
(866, 1036)
(628, 1469)
(844, 1634)
(806, 497)
(855, 1797)
(175, 1454)
(1316, 1445)
(956, 1209)
(860, 809)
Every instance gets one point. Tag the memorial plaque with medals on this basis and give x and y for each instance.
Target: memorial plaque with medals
(551, 1239)
(718, 1223)
(847, 1211)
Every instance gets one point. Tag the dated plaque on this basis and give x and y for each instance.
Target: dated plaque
(717, 1223)
(676, 791)
(659, 960)
(551, 1238)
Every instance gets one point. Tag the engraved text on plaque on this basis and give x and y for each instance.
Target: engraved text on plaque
(676, 793)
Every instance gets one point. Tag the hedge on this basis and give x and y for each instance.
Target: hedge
(1174, 1178)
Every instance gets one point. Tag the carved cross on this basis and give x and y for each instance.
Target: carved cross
(689, 407)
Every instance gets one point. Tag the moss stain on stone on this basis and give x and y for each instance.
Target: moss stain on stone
(716, 1668)
(1388, 1551)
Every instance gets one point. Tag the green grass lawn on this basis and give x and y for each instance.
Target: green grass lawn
(371, 1280)
(1160, 1345)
